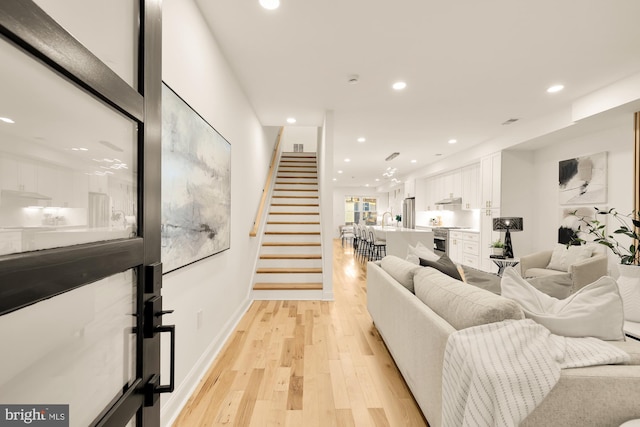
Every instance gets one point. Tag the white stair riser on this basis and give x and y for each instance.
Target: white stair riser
(295, 200)
(289, 180)
(288, 277)
(290, 263)
(296, 193)
(306, 188)
(298, 238)
(290, 250)
(312, 209)
(296, 176)
(315, 217)
(293, 227)
(306, 154)
(298, 166)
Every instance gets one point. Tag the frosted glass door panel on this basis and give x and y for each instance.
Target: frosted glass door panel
(109, 29)
(78, 348)
(67, 161)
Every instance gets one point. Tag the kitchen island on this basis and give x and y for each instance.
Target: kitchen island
(399, 238)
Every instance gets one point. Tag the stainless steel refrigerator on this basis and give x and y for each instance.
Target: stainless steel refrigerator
(409, 212)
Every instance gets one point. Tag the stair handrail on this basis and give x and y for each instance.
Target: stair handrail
(267, 185)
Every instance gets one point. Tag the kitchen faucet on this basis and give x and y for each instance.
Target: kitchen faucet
(384, 214)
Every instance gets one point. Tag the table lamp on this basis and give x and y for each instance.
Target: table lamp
(507, 224)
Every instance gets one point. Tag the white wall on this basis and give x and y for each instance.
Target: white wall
(306, 135)
(339, 194)
(617, 141)
(218, 286)
(325, 186)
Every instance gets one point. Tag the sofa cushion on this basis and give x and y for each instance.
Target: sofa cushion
(402, 271)
(562, 257)
(593, 311)
(539, 272)
(461, 305)
(443, 264)
(414, 253)
(631, 347)
(555, 285)
(482, 279)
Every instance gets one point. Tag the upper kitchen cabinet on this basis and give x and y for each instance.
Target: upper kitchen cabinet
(491, 170)
(57, 184)
(471, 186)
(17, 175)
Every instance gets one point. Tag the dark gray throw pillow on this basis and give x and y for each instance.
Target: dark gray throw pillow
(482, 279)
(444, 265)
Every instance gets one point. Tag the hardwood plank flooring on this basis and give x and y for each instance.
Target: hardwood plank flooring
(306, 364)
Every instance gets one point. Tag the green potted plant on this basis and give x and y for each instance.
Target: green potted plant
(624, 243)
(398, 220)
(497, 247)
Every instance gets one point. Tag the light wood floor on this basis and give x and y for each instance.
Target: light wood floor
(305, 364)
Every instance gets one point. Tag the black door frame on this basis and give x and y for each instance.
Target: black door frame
(51, 272)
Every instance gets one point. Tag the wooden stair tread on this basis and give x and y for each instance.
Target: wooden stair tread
(293, 222)
(296, 189)
(297, 166)
(294, 213)
(291, 244)
(299, 177)
(293, 233)
(296, 171)
(294, 197)
(296, 183)
(305, 270)
(291, 256)
(286, 286)
(296, 204)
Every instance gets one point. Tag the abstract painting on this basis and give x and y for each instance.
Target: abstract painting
(583, 180)
(570, 224)
(196, 185)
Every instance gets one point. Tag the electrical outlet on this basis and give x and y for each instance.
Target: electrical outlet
(199, 319)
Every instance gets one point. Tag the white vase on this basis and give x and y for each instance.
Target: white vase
(629, 285)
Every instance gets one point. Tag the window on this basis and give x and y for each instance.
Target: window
(360, 210)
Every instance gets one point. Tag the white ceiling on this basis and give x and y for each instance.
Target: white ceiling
(469, 65)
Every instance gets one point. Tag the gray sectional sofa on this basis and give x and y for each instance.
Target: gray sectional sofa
(416, 333)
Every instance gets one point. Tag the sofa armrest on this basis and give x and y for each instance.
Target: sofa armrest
(587, 271)
(535, 260)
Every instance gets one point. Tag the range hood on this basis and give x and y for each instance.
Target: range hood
(450, 201)
(23, 198)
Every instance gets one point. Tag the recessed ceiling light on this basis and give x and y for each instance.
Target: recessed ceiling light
(84, 149)
(291, 120)
(377, 179)
(335, 179)
(555, 88)
(6, 120)
(339, 171)
(347, 160)
(414, 161)
(366, 185)
(361, 139)
(452, 141)
(270, 4)
(399, 85)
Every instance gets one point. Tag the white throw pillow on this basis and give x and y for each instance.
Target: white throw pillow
(562, 257)
(593, 311)
(420, 251)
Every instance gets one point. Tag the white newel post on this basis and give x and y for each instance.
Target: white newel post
(629, 285)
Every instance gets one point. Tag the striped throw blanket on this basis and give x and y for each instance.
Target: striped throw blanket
(496, 374)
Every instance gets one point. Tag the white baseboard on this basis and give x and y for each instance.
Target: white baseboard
(170, 409)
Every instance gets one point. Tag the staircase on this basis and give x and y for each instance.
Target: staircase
(291, 253)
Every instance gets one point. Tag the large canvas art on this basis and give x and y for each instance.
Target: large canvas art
(196, 185)
(583, 180)
(571, 227)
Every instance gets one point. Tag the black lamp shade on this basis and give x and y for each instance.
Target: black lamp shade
(507, 223)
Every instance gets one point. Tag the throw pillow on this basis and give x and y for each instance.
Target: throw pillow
(402, 271)
(420, 251)
(562, 257)
(444, 265)
(593, 311)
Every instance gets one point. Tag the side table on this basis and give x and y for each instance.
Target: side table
(503, 263)
(632, 329)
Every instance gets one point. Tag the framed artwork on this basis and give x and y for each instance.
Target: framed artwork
(196, 185)
(570, 223)
(583, 180)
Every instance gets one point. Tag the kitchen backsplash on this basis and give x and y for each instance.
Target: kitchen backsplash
(452, 218)
(42, 217)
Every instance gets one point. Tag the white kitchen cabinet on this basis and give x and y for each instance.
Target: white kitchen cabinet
(80, 188)
(98, 184)
(471, 187)
(491, 170)
(410, 188)
(57, 184)
(455, 246)
(464, 248)
(487, 236)
(17, 175)
(421, 194)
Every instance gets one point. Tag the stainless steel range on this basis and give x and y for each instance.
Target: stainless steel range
(441, 239)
